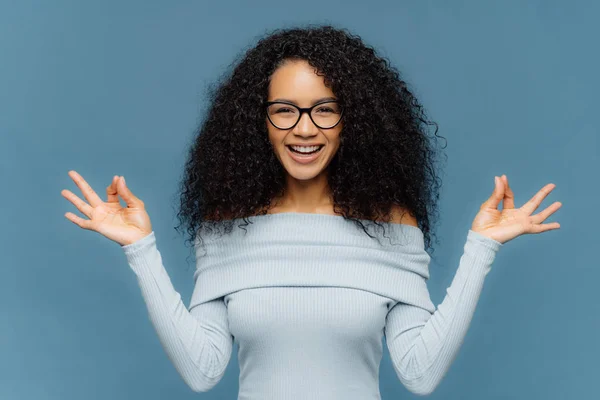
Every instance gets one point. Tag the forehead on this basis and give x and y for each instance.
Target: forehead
(298, 81)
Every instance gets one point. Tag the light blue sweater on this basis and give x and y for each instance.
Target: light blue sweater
(308, 299)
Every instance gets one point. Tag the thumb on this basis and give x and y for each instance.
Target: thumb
(126, 194)
(497, 195)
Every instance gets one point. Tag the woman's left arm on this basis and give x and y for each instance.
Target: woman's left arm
(423, 344)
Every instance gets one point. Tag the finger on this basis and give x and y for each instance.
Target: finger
(82, 223)
(126, 194)
(536, 200)
(496, 196)
(544, 227)
(111, 191)
(81, 205)
(543, 215)
(509, 197)
(86, 189)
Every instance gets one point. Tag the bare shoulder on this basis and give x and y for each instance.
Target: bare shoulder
(400, 215)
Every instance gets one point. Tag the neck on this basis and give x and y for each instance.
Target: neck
(311, 196)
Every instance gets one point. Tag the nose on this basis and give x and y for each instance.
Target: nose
(305, 126)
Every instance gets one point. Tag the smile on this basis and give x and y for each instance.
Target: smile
(304, 158)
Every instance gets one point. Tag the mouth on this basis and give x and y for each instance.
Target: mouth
(304, 153)
(304, 158)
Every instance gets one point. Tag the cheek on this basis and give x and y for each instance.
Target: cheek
(335, 139)
(272, 136)
(276, 141)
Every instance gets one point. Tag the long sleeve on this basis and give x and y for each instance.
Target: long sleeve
(422, 344)
(197, 341)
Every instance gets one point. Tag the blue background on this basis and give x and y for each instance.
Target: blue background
(118, 88)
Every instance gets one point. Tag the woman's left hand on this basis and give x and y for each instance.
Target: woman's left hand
(509, 223)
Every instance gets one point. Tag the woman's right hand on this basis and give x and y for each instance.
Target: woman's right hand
(124, 225)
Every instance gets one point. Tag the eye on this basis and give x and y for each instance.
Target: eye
(283, 110)
(325, 110)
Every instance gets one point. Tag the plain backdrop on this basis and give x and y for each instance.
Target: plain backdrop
(118, 88)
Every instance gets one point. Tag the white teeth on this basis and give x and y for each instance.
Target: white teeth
(305, 149)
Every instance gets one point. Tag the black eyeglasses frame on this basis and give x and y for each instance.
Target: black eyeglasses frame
(307, 110)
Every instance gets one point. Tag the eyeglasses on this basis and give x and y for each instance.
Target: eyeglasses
(324, 115)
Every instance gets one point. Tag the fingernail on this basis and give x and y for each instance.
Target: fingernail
(122, 177)
(496, 180)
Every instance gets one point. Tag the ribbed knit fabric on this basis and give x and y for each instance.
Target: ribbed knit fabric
(308, 299)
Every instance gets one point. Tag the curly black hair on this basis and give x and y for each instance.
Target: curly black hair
(385, 158)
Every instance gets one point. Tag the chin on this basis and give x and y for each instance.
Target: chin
(303, 176)
(302, 173)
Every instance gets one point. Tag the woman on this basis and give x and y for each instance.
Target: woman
(310, 141)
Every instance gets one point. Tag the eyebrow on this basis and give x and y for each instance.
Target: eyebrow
(314, 102)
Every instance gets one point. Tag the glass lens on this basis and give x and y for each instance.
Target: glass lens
(326, 115)
(284, 116)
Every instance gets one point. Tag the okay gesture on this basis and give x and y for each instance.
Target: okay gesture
(511, 222)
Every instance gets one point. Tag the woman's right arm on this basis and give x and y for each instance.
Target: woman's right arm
(197, 341)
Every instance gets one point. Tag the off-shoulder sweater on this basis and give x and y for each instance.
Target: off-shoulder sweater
(308, 298)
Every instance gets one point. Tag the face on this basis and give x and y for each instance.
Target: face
(298, 83)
